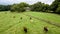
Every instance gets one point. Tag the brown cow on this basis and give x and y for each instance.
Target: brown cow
(13, 16)
(45, 29)
(25, 29)
(30, 18)
(21, 18)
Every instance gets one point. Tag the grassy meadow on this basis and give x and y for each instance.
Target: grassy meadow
(11, 23)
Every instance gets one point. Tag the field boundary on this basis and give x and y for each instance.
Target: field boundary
(53, 23)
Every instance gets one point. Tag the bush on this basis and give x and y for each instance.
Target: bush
(19, 7)
(58, 10)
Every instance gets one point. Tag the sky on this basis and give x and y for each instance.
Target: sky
(7, 2)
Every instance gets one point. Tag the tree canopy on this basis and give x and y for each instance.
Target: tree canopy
(5, 7)
(55, 6)
(21, 7)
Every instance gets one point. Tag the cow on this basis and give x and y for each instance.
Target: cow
(25, 29)
(21, 18)
(30, 18)
(45, 29)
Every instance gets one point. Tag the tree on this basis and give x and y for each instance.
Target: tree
(45, 7)
(19, 7)
(39, 7)
(58, 9)
(5, 7)
(54, 5)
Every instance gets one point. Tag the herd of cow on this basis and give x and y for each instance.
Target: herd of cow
(26, 30)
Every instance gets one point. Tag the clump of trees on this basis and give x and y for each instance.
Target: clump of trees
(38, 7)
(19, 7)
(55, 6)
(5, 7)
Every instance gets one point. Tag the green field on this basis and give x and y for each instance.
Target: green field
(11, 25)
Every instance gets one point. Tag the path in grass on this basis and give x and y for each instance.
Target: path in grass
(47, 21)
(47, 16)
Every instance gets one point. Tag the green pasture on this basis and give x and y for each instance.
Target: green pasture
(11, 23)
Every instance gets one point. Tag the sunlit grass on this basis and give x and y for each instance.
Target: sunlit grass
(10, 25)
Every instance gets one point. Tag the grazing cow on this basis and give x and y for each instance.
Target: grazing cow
(45, 29)
(13, 16)
(21, 18)
(30, 18)
(25, 29)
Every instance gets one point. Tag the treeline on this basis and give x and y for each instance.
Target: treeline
(55, 6)
(21, 7)
(5, 7)
(38, 7)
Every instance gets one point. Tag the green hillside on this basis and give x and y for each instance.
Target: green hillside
(11, 23)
